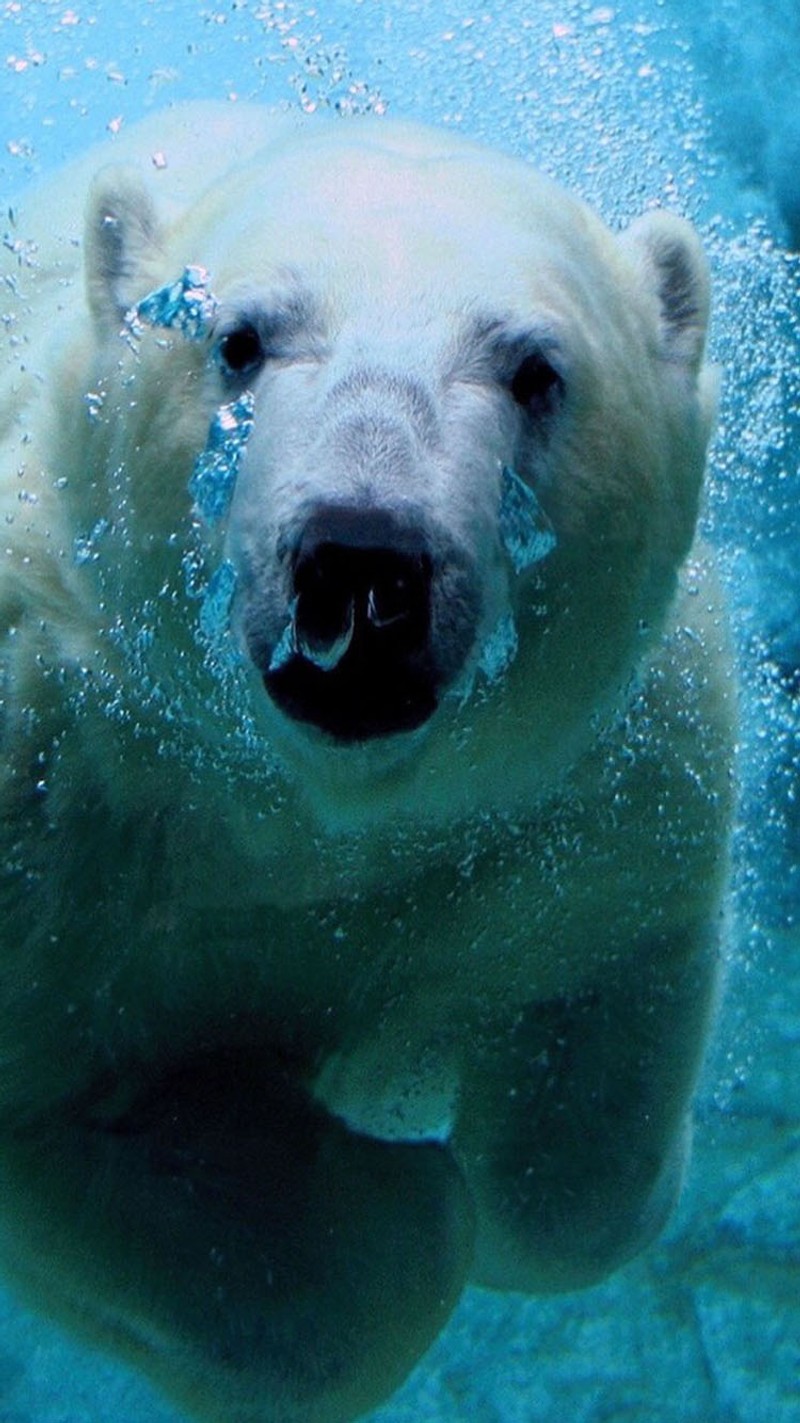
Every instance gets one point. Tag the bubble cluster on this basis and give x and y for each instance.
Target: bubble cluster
(214, 476)
(527, 534)
(186, 306)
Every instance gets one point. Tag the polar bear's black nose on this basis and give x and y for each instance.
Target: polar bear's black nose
(357, 577)
(356, 659)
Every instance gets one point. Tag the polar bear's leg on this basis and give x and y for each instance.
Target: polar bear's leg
(575, 1129)
(254, 1256)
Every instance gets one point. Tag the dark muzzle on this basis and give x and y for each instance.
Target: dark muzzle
(357, 660)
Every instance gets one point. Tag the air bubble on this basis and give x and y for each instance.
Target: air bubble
(214, 475)
(526, 532)
(186, 306)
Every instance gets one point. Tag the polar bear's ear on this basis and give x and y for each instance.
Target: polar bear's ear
(122, 243)
(673, 266)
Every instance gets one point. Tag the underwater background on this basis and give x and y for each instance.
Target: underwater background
(630, 104)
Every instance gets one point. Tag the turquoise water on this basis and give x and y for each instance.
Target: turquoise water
(628, 104)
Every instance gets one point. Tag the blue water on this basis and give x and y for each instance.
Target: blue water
(628, 103)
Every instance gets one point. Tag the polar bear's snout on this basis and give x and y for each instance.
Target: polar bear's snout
(368, 647)
(357, 578)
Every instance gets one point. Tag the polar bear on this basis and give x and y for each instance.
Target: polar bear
(367, 726)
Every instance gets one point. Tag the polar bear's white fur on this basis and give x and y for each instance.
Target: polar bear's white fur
(360, 936)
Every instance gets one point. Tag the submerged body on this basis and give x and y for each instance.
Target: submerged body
(360, 935)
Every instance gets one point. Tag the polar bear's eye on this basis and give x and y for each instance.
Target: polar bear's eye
(536, 385)
(241, 351)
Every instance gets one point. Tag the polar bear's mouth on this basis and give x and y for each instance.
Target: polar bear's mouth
(362, 698)
(359, 657)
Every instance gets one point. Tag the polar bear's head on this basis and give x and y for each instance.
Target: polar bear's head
(431, 335)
